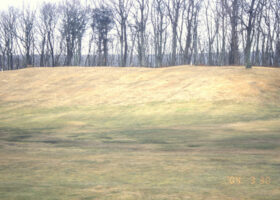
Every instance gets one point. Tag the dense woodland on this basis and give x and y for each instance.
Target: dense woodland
(151, 33)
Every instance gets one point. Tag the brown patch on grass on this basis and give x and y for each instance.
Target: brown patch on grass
(90, 86)
(256, 126)
(76, 123)
(168, 133)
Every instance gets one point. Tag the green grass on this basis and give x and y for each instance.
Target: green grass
(159, 150)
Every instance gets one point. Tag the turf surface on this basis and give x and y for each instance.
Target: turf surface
(208, 145)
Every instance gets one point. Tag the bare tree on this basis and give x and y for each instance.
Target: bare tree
(26, 34)
(276, 11)
(174, 8)
(159, 22)
(190, 19)
(8, 23)
(195, 31)
(250, 9)
(47, 25)
(102, 23)
(221, 18)
(121, 10)
(74, 21)
(232, 8)
(270, 30)
(142, 32)
(141, 17)
(212, 30)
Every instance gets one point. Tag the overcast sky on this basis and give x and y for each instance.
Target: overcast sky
(4, 4)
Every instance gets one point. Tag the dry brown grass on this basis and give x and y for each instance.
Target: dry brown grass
(139, 133)
(90, 86)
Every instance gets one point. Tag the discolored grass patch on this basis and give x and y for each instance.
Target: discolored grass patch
(117, 154)
(172, 133)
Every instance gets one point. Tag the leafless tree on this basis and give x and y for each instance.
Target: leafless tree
(142, 32)
(8, 31)
(122, 10)
(26, 34)
(212, 23)
(190, 19)
(159, 23)
(276, 11)
(232, 8)
(174, 8)
(140, 16)
(102, 23)
(47, 25)
(250, 8)
(270, 31)
(74, 21)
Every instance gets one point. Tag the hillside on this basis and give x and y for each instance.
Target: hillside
(139, 133)
(65, 86)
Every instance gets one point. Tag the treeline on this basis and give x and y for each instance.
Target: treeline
(150, 33)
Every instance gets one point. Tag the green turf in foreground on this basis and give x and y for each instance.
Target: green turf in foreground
(177, 150)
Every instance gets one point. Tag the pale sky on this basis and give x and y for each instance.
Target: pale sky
(4, 4)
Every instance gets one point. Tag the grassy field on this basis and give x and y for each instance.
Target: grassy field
(136, 133)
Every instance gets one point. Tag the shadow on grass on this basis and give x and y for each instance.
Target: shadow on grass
(263, 141)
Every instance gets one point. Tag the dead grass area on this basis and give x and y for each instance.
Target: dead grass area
(91, 86)
(139, 133)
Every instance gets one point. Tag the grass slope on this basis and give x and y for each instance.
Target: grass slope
(136, 133)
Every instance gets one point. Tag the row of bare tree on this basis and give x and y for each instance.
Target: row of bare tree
(151, 33)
